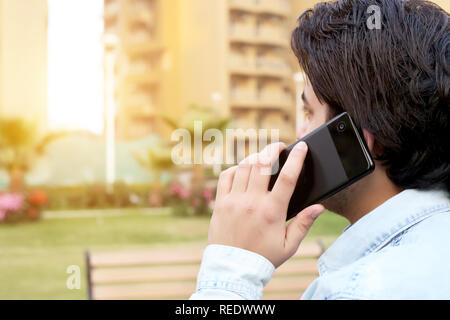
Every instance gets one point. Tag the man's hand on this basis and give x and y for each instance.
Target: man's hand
(250, 217)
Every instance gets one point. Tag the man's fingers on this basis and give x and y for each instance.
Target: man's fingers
(287, 179)
(242, 175)
(300, 225)
(262, 170)
(225, 182)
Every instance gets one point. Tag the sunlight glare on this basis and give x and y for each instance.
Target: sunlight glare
(75, 64)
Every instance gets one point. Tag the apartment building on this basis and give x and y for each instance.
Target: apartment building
(23, 60)
(137, 53)
(231, 55)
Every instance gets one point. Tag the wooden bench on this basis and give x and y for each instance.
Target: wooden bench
(171, 274)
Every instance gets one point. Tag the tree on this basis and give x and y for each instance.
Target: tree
(157, 159)
(20, 145)
(210, 120)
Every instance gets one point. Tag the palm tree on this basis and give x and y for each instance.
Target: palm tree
(157, 159)
(210, 120)
(20, 145)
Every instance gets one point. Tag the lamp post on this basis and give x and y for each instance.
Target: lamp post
(110, 45)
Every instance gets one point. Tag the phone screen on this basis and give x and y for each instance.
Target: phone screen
(337, 157)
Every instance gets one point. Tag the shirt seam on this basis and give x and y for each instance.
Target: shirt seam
(417, 218)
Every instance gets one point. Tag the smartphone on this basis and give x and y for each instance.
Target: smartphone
(337, 157)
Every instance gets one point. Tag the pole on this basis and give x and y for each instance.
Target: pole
(110, 113)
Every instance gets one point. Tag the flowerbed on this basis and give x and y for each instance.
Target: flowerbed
(185, 202)
(19, 207)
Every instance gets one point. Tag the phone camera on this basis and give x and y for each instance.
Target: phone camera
(341, 126)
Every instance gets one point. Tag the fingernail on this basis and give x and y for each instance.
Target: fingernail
(302, 146)
(316, 213)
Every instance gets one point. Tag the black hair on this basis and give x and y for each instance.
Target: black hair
(393, 81)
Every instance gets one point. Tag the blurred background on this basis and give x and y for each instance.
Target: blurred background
(90, 92)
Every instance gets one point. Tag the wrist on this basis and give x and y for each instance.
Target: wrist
(234, 269)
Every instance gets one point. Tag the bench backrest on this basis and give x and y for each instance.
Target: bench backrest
(171, 274)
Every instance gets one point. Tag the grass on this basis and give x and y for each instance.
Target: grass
(34, 257)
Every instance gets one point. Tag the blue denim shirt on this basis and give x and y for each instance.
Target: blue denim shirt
(400, 250)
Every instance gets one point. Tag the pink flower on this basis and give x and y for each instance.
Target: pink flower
(175, 188)
(179, 190)
(184, 193)
(10, 202)
(2, 215)
(207, 194)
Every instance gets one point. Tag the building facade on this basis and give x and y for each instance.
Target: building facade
(230, 55)
(23, 60)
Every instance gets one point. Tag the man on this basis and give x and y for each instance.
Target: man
(395, 84)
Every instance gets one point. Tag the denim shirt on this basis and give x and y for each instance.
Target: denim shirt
(400, 250)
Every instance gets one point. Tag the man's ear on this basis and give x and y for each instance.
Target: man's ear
(370, 140)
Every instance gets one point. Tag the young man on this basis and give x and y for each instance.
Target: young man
(395, 84)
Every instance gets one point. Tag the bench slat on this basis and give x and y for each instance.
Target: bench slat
(289, 284)
(183, 290)
(185, 272)
(136, 258)
(172, 274)
(298, 267)
(99, 260)
(174, 290)
(146, 274)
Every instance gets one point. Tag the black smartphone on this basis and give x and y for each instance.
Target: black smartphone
(337, 157)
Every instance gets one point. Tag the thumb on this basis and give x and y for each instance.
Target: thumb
(299, 227)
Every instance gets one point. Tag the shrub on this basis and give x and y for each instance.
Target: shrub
(17, 207)
(185, 202)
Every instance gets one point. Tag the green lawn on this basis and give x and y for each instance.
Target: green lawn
(34, 257)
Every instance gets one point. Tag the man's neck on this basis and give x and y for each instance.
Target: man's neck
(370, 197)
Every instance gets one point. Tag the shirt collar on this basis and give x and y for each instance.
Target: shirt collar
(378, 227)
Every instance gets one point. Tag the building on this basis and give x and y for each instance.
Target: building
(23, 59)
(230, 55)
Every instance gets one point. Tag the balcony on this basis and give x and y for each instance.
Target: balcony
(279, 8)
(243, 29)
(144, 17)
(276, 98)
(138, 66)
(258, 104)
(143, 47)
(274, 7)
(245, 66)
(245, 120)
(142, 78)
(243, 5)
(260, 72)
(111, 28)
(270, 101)
(243, 96)
(277, 121)
(111, 10)
(141, 35)
(140, 111)
(258, 39)
(270, 31)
